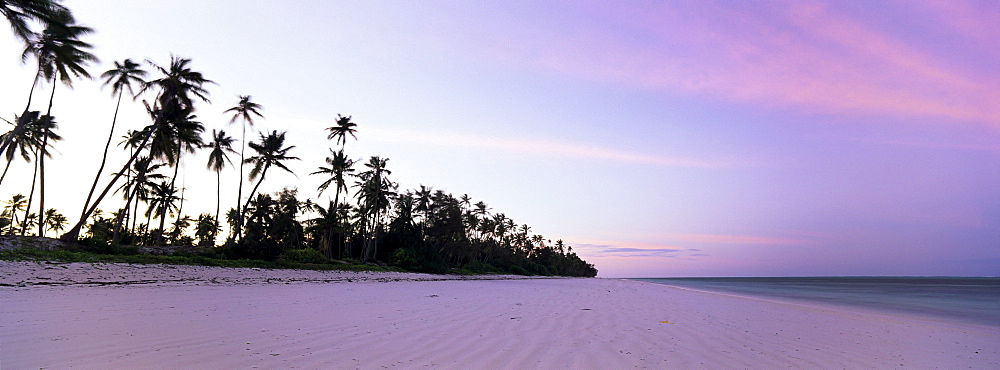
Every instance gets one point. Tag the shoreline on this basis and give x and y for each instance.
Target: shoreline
(292, 321)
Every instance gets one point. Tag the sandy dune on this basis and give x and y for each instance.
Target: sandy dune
(193, 317)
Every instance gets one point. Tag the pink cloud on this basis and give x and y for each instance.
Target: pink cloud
(792, 54)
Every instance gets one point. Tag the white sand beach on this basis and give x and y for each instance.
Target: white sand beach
(142, 316)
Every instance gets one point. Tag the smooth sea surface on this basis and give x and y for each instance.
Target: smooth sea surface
(962, 299)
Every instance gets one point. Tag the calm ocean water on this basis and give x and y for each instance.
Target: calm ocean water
(969, 300)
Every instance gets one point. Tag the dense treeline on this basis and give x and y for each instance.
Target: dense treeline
(369, 220)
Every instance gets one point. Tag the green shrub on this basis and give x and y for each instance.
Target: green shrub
(518, 270)
(480, 268)
(305, 255)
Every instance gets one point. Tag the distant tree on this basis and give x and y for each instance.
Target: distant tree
(54, 220)
(11, 207)
(206, 229)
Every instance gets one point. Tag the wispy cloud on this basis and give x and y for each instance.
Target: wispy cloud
(602, 250)
(726, 239)
(624, 249)
(541, 147)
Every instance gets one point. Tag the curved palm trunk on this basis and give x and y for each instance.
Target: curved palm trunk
(252, 192)
(7, 167)
(104, 158)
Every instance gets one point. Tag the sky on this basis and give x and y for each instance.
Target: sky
(659, 139)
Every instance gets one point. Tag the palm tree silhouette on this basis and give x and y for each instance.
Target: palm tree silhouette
(60, 54)
(270, 152)
(54, 220)
(244, 110)
(139, 188)
(221, 145)
(16, 204)
(28, 142)
(34, 134)
(340, 165)
(162, 200)
(174, 103)
(20, 12)
(343, 128)
(120, 78)
(170, 143)
(373, 195)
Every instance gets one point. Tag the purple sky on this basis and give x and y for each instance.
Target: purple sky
(659, 139)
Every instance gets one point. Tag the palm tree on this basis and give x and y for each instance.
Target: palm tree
(38, 128)
(339, 166)
(29, 141)
(173, 103)
(373, 197)
(171, 142)
(162, 201)
(139, 188)
(343, 128)
(120, 78)
(20, 13)
(206, 228)
(221, 145)
(269, 153)
(59, 53)
(423, 198)
(326, 224)
(244, 110)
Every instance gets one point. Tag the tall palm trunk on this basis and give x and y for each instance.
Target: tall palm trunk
(163, 211)
(252, 192)
(180, 208)
(41, 162)
(239, 193)
(180, 211)
(335, 218)
(128, 203)
(218, 202)
(104, 158)
(31, 196)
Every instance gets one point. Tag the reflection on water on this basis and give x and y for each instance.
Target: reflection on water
(971, 300)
